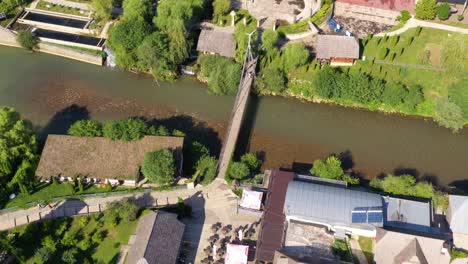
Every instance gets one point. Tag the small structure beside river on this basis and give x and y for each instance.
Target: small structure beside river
(338, 50)
(217, 41)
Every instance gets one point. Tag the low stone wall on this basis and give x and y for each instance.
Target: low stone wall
(8, 38)
(300, 35)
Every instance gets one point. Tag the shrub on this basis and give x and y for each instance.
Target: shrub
(394, 93)
(403, 185)
(128, 210)
(84, 221)
(238, 170)
(27, 39)
(414, 97)
(273, 79)
(193, 152)
(458, 93)
(43, 255)
(126, 130)
(252, 161)
(220, 8)
(206, 168)
(97, 237)
(222, 74)
(460, 17)
(404, 16)
(443, 11)
(330, 168)
(159, 166)
(448, 114)
(86, 128)
(426, 9)
(383, 53)
(295, 55)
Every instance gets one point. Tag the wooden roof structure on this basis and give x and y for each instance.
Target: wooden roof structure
(217, 40)
(99, 157)
(333, 46)
(157, 239)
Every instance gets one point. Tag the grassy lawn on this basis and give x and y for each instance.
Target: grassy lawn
(46, 192)
(43, 5)
(367, 245)
(342, 250)
(69, 233)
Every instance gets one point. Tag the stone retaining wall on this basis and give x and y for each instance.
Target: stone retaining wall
(8, 38)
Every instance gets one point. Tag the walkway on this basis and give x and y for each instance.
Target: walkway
(237, 116)
(82, 6)
(412, 23)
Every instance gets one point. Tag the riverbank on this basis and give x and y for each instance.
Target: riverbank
(287, 133)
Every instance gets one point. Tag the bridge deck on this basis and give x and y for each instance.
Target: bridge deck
(237, 116)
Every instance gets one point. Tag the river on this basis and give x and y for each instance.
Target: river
(53, 92)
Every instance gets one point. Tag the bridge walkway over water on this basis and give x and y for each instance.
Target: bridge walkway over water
(237, 115)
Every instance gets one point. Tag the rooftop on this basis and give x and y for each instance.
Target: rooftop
(458, 211)
(333, 46)
(158, 239)
(98, 157)
(219, 41)
(272, 228)
(408, 214)
(333, 205)
(395, 247)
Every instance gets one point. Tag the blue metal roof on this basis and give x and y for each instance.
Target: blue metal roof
(328, 204)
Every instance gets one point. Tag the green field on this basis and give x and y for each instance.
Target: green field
(67, 234)
(367, 245)
(436, 78)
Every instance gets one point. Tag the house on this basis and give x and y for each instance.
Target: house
(101, 160)
(409, 215)
(389, 5)
(217, 41)
(341, 210)
(337, 50)
(457, 217)
(157, 240)
(395, 248)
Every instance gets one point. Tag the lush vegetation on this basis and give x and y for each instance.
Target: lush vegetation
(18, 153)
(245, 170)
(342, 250)
(408, 186)
(158, 44)
(303, 26)
(83, 239)
(330, 168)
(449, 114)
(102, 9)
(220, 9)
(126, 130)
(44, 5)
(159, 166)
(456, 253)
(199, 163)
(443, 11)
(27, 39)
(425, 9)
(221, 74)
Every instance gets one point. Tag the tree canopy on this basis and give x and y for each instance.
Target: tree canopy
(295, 55)
(86, 128)
(425, 9)
(102, 9)
(27, 39)
(222, 74)
(220, 8)
(159, 166)
(330, 168)
(448, 114)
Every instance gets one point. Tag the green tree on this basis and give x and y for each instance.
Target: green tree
(43, 255)
(112, 130)
(193, 152)
(426, 9)
(179, 44)
(18, 147)
(220, 8)
(27, 39)
(206, 169)
(49, 242)
(238, 170)
(394, 93)
(159, 166)
(269, 41)
(102, 9)
(86, 128)
(126, 130)
(404, 16)
(153, 55)
(135, 9)
(273, 79)
(404, 185)
(325, 83)
(443, 11)
(125, 37)
(69, 256)
(414, 97)
(129, 211)
(329, 168)
(222, 74)
(454, 55)
(295, 55)
(252, 161)
(448, 114)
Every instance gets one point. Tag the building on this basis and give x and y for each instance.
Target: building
(236, 254)
(339, 209)
(410, 215)
(217, 41)
(395, 248)
(157, 240)
(101, 160)
(457, 217)
(390, 5)
(337, 50)
(271, 233)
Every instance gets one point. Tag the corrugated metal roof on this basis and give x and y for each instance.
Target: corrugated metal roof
(327, 204)
(332, 46)
(407, 214)
(458, 207)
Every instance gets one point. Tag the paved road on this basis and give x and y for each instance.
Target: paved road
(412, 23)
(236, 118)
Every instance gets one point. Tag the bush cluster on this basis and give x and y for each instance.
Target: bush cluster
(245, 169)
(222, 74)
(330, 168)
(126, 130)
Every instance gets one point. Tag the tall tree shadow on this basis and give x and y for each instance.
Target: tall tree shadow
(62, 120)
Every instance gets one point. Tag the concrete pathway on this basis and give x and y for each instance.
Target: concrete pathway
(105, 29)
(71, 4)
(357, 251)
(412, 23)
